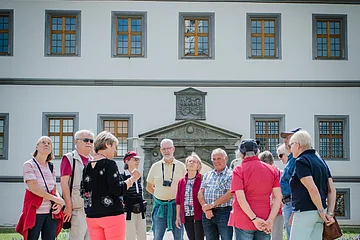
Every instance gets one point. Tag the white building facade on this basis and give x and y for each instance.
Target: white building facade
(255, 68)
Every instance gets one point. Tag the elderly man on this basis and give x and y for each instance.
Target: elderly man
(71, 168)
(253, 183)
(285, 180)
(162, 183)
(216, 199)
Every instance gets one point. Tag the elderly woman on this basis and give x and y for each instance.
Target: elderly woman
(278, 226)
(102, 187)
(312, 188)
(282, 153)
(42, 204)
(188, 208)
(133, 200)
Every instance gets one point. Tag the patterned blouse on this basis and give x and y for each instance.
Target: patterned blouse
(102, 188)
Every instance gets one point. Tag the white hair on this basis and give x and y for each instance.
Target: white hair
(303, 138)
(282, 149)
(83, 131)
(166, 140)
(218, 150)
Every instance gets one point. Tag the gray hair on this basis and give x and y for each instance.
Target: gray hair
(303, 138)
(282, 149)
(166, 140)
(194, 155)
(267, 157)
(104, 138)
(218, 150)
(83, 131)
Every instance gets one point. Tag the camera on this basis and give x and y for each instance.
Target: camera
(167, 183)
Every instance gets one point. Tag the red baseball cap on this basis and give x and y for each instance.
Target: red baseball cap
(131, 154)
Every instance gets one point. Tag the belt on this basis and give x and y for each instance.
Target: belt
(170, 200)
(286, 199)
(221, 208)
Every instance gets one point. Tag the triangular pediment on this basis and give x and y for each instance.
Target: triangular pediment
(190, 91)
(190, 130)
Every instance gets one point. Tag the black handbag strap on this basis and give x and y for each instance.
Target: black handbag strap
(42, 175)
(72, 175)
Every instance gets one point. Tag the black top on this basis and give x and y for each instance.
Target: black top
(101, 188)
(131, 196)
(307, 164)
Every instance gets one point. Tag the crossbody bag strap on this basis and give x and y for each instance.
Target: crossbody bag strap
(41, 175)
(72, 175)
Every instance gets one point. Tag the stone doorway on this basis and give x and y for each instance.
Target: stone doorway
(188, 136)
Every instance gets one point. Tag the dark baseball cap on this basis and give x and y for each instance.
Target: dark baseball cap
(131, 154)
(248, 145)
(284, 134)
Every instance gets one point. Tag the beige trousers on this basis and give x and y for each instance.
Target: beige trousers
(78, 230)
(136, 227)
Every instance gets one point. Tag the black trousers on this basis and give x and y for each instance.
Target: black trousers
(194, 228)
(44, 224)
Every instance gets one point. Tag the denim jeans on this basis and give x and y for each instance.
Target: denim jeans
(287, 210)
(218, 225)
(44, 224)
(251, 235)
(159, 224)
(307, 225)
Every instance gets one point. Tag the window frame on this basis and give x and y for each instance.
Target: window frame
(343, 37)
(45, 126)
(197, 16)
(10, 13)
(346, 134)
(5, 117)
(278, 44)
(114, 36)
(48, 23)
(346, 192)
(111, 117)
(267, 117)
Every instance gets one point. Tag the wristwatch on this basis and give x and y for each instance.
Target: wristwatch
(213, 204)
(322, 211)
(330, 214)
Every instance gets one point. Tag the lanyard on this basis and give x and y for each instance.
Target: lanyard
(172, 175)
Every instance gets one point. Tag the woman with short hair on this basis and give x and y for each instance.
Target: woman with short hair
(188, 208)
(312, 188)
(102, 187)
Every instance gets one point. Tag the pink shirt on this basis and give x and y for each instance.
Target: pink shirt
(31, 172)
(65, 166)
(256, 179)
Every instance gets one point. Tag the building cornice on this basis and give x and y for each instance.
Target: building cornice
(252, 1)
(182, 83)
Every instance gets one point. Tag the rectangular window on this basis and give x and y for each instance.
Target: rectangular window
(61, 128)
(129, 34)
(121, 127)
(197, 35)
(329, 33)
(342, 204)
(6, 32)
(63, 33)
(267, 130)
(4, 135)
(263, 35)
(331, 137)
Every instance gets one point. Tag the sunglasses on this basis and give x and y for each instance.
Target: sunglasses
(86, 140)
(281, 155)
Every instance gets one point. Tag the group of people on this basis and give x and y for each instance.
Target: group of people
(255, 199)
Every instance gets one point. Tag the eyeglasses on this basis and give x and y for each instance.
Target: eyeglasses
(281, 155)
(87, 140)
(166, 149)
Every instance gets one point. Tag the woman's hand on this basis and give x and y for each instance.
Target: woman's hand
(59, 201)
(178, 222)
(135, 174)
(56, 208)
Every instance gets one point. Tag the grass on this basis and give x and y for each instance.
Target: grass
(8, 233)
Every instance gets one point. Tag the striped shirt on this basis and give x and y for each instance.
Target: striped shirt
(217, 184)
(31, 172)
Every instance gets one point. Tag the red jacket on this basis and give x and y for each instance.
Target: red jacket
(28, 216)
(180, 197)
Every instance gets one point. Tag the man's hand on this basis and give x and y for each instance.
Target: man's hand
(330, 220)
(67, 213)
(207, 207)
(291, 218)
(209, 214)
(56, 208)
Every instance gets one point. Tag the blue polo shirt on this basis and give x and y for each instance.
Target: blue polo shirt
(286, 176)
(309, 164)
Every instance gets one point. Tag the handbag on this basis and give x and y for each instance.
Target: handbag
(67, 225)
(136, 208)
(332, 232)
